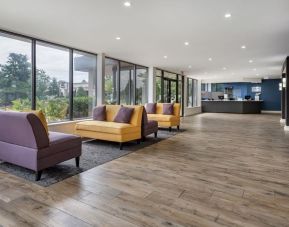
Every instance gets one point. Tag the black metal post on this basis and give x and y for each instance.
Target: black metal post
(33, 71)
(283, 98)
(71, 84)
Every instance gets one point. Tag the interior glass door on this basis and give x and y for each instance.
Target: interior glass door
(170, 90)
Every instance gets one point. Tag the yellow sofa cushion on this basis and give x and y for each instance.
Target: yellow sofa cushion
(162, 117)
(107, 127)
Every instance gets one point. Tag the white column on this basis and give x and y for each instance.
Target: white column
(199, 93)
(152, 85)
(100, 78)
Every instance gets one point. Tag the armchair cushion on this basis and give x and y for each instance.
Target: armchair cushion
(124, 115)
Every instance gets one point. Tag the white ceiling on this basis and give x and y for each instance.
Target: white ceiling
(150, 29)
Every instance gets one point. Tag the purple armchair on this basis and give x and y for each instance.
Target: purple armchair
(24, 142)
(148, 126)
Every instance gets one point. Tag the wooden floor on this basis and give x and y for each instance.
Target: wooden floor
(224, 170)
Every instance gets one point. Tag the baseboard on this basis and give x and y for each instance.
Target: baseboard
(271, 111)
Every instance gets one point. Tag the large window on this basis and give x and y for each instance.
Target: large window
(84, 84)
(125, 83)
(141, 85)
(38, 75)
(126, 75)
(15, 73)
(52, 81)
(111, 81)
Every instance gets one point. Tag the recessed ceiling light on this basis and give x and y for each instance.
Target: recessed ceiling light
(165, 57)
(190, 66)
(233, 73)
(250, 61)
(127, 4)
(187, 43)
(210, 59)
(243, 47)
(254, 69)
(224, 68)
(257, 74)
(117, 38)
(228, 15)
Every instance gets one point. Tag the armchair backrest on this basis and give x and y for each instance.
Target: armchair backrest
(23, 129)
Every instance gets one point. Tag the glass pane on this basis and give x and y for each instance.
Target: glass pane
(195, 93)
(180, 97)
(141, 91)
(111, 81)
(166, 91)
(126, 74)
(170, 75)
(190, 88)
(15, 73)
(173, 91)
(84, 79)
(52, 81)
(158, 89)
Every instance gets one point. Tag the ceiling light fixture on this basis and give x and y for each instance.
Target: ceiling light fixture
(117, 38)
(165, 57)
(210, 59)
(187, 43)
(224, 68)
(250, 61)
(190, 66)
(243, 47)
(228, 15)
(257, 74)
(254, 69)
(127, 4)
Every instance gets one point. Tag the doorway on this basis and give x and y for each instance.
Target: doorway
(170, 90)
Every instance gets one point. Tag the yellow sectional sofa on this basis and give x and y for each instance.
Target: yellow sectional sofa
(112, 131)
(166, 120)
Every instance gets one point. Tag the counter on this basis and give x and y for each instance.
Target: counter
(241, 107)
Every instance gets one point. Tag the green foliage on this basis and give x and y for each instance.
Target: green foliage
(81, 92)
(53, 89)
(82, 106)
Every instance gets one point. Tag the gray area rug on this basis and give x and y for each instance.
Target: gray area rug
(94, 153)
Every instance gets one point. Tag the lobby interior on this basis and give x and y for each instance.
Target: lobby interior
(144, 113)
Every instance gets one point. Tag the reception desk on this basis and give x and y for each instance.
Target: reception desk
(241, 107)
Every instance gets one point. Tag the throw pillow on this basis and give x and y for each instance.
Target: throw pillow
(168, 109)
(151, 108)
(123, 115)
(99, 113)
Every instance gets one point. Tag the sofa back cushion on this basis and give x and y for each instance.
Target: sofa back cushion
(112, 110)
(177, 108)
(23, 129)
(144, 118)
(123, 115)
(151, 108)
(99, 113)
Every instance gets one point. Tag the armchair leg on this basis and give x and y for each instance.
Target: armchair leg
(178, 127)
(120, 146)
(38, 175)
(156, 134)
(170, 129)
(77, 161)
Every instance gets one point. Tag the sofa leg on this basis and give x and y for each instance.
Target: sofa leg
(138, 141)
(170, 129)
(156, 134)
(178, 127)
(143, 138)
(77, 161)
(38, 175)
(120, 146)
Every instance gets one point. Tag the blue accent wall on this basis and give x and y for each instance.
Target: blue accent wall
(270, 93)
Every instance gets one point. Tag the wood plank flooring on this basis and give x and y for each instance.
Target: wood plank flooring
(224, 170)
